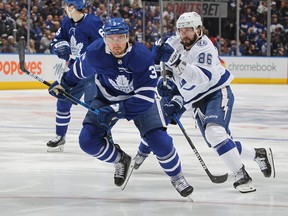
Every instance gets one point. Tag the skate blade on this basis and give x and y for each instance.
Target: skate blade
(271, 161)
(190, 198)
(129, 173)
(59, 148)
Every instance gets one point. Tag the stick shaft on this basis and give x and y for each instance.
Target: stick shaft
(21, 51)
(213, 178)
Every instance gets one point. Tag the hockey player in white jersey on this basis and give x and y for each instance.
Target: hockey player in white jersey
(201, 82)
(78, 30)
(126, 80)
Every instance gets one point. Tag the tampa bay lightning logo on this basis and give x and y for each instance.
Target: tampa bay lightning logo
(202, 43)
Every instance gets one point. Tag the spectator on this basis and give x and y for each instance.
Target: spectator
(253, 15)
(261, 44)
(168, 16)
(233, 49)
(32, 48)
(262, 8)
(274, 10)
(45, 42)
(3, 45)
(49, 22)
(139, 35)
(12, 44)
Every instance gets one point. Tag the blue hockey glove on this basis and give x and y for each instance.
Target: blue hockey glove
(108, 114)
(168, 90)
(62, 50)
(56, 88)
(174, 106)
(167, 54)
(156, 55)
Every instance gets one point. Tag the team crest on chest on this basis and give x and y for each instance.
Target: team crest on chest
(202, 43)
(121, 83)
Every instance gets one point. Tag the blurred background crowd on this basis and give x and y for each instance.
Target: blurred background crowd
(45, 18)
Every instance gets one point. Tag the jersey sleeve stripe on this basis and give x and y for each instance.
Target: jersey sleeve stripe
(145, 89)
(151, 100)
(75, 70)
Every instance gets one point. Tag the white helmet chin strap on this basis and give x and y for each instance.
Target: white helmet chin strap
(201, 33)
(69, 13)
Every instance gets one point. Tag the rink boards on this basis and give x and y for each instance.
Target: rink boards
(247, 70)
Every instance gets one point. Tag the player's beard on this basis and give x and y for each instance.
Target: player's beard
(187, 42)
(118, 50)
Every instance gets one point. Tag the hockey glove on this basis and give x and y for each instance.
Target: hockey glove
(168, 90)
(108, 114)
(157, 57)
(56, 88)
(174, 106)
(167, 54)
(62, 50)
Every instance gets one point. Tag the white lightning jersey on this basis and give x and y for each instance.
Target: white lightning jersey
(200, 71)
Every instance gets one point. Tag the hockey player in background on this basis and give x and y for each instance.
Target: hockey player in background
(78, 30)
(200, 82)
(126, 88)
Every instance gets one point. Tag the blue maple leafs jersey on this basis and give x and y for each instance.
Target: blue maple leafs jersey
(79, 34)
(131, 79)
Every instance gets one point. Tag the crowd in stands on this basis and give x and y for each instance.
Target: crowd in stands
(45, 18)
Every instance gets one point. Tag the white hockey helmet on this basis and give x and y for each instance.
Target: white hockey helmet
(189, 19)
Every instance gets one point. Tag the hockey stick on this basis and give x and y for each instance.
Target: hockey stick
(162, 42)
(21, 52)
(213, 178)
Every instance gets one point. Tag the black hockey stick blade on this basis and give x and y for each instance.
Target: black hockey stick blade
(218, 179)
(214, 178)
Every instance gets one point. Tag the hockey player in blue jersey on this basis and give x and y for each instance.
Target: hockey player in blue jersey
(200, 82)
(78, 30)
(126, 88)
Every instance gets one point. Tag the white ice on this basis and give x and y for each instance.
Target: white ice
(36, 183)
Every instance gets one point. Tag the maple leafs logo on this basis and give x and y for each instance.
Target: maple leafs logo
(121, 83)
(75, 47)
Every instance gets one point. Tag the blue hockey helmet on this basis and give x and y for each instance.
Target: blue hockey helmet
(78, 4)
(116, 26)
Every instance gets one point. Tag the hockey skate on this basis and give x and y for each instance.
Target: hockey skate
(243, 182)
(264, 159)
(121, 168)
(183, 187)
(139, 159)
(56, 144)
